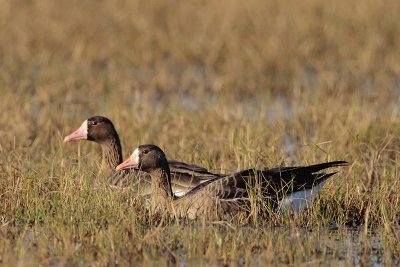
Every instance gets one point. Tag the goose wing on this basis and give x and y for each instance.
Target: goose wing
(271, 182)
(189, 175)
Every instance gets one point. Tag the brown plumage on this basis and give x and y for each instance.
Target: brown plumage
(102, 131)
(222, 198)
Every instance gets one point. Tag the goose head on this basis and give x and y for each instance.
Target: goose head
(98, 129)
(146, 158)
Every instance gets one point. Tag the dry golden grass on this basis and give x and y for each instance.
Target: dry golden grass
(224, 84)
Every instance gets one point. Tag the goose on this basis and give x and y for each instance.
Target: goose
(293, 188)
(101, 130)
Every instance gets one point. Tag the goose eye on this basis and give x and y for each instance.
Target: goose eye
(145, 151)
(94, 123)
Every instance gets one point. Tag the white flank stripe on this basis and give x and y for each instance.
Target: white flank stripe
(179, 193)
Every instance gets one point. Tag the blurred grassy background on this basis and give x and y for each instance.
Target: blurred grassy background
(224, 84)
(315, 61)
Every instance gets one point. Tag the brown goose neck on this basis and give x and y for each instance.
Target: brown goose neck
(111, 153)
(161, 190)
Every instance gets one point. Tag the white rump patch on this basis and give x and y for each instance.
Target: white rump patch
(301, 199)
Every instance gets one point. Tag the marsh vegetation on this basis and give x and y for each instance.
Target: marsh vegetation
(224, 84)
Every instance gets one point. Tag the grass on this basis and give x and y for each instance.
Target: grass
(224, 84)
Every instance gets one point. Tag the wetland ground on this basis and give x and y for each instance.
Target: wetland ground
(224, 84)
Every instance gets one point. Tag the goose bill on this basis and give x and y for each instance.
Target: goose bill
(79, 134)
(130, 163)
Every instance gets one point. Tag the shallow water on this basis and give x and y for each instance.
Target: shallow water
(327, 246)
(354, 247)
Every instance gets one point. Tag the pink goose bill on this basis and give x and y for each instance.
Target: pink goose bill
(131, 163)
(79, 134)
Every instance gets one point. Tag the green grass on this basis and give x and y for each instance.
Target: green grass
(224, 84)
